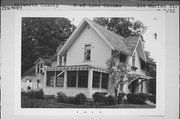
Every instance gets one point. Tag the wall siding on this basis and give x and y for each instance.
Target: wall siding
(100, 51)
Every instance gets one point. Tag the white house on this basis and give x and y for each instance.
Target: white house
(81, 62)
(33, 78)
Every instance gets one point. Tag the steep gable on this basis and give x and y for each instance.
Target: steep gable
(114, 41)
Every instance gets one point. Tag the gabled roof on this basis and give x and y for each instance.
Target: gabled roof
(131, 42)
(30, 72)
(116, 42)
(47, 60)
(112, 39)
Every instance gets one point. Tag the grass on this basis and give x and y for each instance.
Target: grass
(34, 103)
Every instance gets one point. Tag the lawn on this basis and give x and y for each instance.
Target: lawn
(34, 103)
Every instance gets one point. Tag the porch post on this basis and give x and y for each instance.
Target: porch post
(45, 80)
(65, 80)
(90, 78)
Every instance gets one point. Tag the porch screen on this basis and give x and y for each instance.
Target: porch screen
(71, 78)
(96, 79)
(105, 78)
(59, 79)
(50, 78)
(82, 79)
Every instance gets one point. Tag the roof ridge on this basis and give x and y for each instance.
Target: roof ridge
(107, 30)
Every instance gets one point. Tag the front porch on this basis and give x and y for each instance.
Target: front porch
(73, 80)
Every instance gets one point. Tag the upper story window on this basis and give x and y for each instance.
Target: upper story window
(87, 52)
(122, 58)
(39, 68)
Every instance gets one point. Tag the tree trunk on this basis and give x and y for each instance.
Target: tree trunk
(116, 94)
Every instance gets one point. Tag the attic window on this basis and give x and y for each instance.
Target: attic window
(122, 58)
(87, 52)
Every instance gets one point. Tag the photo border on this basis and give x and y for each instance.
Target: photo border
(160, 105)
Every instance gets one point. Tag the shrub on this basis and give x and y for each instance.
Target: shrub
(71, 100)
(80, 99)
(120, 98)
(34, 94)
(152, 98)
(110, 100)
(137, 98)
(30, 103)
(61, 97)
(49, 97)
(99, 98)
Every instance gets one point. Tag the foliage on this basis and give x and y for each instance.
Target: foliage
(41, 37)
(48, 97)
(80, 99)
(71, 100)
(125, 27)
(151, 71)
(61, 97)
(30, 103)
(34, 94)
(120, 98)
(99, 98)
(110, 100)
(117, 73)
(136, 98)
(152, 98)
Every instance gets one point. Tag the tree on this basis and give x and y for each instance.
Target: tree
(151, 71)
(117, 74)
(125, 27)
(41, 37)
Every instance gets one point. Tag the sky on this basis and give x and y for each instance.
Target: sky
(150, 41)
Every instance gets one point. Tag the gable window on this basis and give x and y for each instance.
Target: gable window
(143, 64)
(122, 58)
(87, 52)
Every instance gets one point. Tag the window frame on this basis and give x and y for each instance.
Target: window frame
(87, 47)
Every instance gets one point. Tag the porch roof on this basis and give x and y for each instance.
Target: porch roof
(76, 67)
(135, 76)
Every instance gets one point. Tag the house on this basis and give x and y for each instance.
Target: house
(33, 78)
(81, 62)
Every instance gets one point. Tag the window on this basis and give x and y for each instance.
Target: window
(50, 78)
(96, 79)
(83, 79)
(37, 68)
(105, 78)
(143, 64)
(59, 79)
(71, 78)
(87, 52)
(38, 81)
(122, 58)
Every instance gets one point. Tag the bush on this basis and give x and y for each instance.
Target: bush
(34, 94)
(80, 99)
(30, 103)
(71, 100)
(99, 98)
(152, 98)
(110, 100)
(120, 98)
(49, 97)
(61, 97)
(137, 98)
